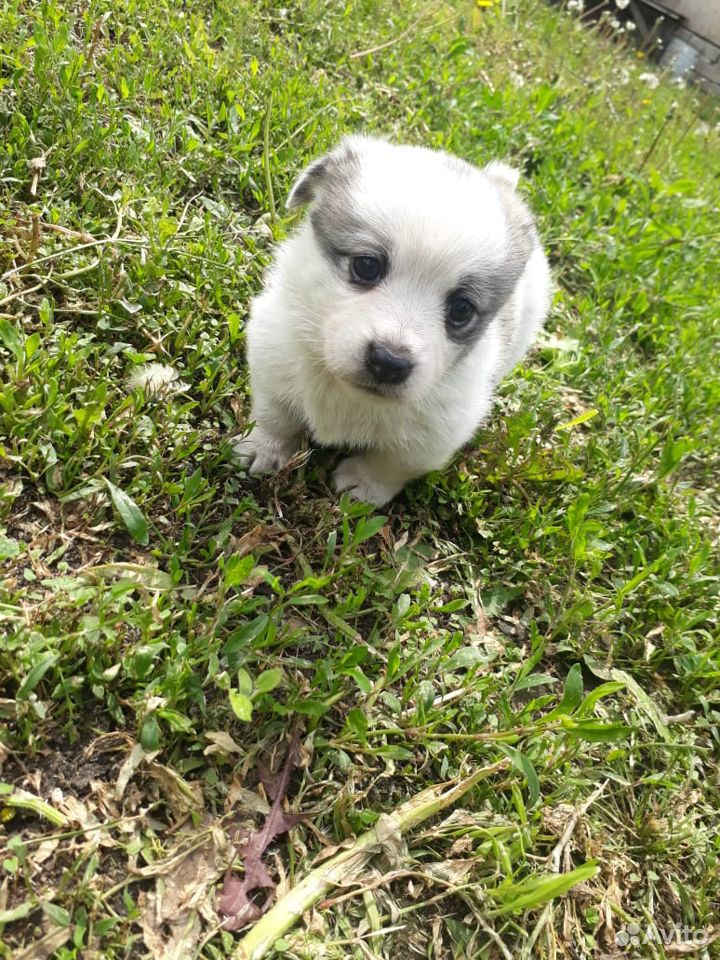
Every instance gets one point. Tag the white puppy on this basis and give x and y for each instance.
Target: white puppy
(388, 318)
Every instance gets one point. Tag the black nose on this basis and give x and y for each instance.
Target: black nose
(385, 366)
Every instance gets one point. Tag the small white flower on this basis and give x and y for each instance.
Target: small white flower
(154, 377)
(578, 5)
(615, 23)
(651, 80)
(631, 26)
(622, 4)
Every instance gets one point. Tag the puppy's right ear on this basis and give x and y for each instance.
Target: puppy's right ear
(502, 173)
(332, 170)
(305, 188)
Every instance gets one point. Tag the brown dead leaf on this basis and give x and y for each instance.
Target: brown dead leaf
(75, 810)
(174, 939)
(274, 770)
(182, 797)
(461, 845)
(331, 849)
(237, 407)
(479, 627)
(46, 946)
(109, 742)
(493, 644)
(245, 801)
(127, 770)
(44, 851)
(555, 818)
(694, 946)
(170, 914)
(389, 835)
(220, 742)
(263, 537)
(236, 903)
(451, 871)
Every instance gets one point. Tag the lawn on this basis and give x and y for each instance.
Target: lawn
(176, 638)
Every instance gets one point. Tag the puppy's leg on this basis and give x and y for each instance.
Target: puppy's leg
(273, 440)
(378, 475)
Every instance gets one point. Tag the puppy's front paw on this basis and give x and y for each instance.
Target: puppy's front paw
(355, 475)
(262, 452)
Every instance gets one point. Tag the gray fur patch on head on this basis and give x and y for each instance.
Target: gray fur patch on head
(469, 336)
(522, 235)
(341, 233)
(490, 290)
(337, 226)
(328, 184)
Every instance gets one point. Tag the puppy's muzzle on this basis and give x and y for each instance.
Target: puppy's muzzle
(387, 366)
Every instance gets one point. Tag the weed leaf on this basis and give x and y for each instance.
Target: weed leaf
(130, 513)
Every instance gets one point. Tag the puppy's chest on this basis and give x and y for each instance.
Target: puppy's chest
(336, 418)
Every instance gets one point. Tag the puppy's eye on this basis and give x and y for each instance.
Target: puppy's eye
(366, 271)
(460, 312)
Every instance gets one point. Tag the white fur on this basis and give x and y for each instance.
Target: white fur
(310, 327)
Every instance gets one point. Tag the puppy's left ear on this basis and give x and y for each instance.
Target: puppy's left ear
(305, 188)
(502, 174)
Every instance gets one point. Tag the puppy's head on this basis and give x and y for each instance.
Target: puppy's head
(416, 253)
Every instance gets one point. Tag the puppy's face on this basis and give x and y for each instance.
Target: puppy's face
(415, 254)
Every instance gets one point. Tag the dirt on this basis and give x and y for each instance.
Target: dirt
(69, 767)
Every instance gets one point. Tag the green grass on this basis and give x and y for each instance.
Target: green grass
(552, 597)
